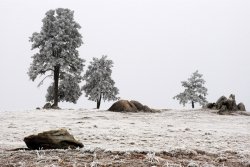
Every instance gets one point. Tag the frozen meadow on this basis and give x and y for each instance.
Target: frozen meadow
(168, 130)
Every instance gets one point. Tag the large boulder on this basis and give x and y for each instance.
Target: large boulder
(123, 105)
(129, 106)
(220, 102)
(54, 139)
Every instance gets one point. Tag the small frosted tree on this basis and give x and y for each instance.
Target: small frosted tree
(99, 84)
(194, 91)
(57, 43)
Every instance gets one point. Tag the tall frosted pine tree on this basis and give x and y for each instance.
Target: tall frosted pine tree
(194, 91)
(99, 84)
(57, 44)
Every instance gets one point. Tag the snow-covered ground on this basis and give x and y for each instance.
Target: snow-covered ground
(164, 131)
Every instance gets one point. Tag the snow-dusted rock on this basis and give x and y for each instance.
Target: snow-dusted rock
(192, 164)
(54, 139)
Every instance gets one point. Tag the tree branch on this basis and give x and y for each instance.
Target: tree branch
(40, 83)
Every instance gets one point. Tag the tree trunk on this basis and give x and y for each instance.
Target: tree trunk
(99, 101)
(56, 81)
(192, 104)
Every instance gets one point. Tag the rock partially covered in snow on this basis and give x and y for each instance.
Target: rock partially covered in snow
(129, 106)
(54, 139)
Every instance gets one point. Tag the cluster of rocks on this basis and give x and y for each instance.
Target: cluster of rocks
(225, 105)
(129, 106)
(54, 139)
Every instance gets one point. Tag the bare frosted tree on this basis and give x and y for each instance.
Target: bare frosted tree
(57, 43)
(194, 91)
(99, 84)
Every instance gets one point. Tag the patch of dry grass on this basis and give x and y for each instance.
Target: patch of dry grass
(102, 158)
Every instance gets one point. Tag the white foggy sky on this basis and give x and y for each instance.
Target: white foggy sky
(155, 44)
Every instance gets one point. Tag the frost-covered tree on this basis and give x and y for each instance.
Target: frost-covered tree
(194, 91)
(68, 90)
(99, 84)
(57, 44)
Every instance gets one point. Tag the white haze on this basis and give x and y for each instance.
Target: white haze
(155, 44)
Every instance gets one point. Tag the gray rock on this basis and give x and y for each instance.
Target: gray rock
(230, 105)
(223, 110)
(211, 106)
(220, 102)
(241, 107)
(47, 106)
